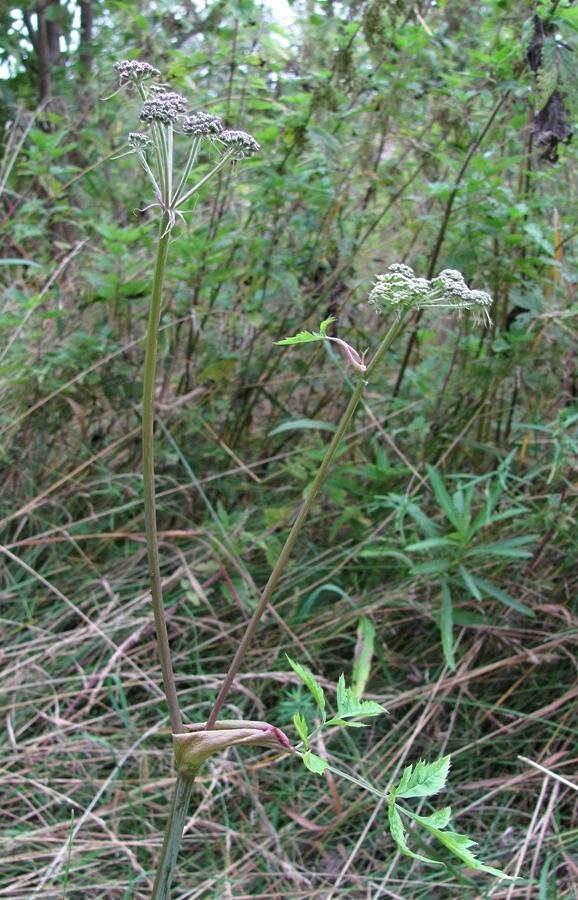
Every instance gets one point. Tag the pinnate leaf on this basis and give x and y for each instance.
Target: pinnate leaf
(423, 779)
(305, 337)
(349, 705)
(311, 684)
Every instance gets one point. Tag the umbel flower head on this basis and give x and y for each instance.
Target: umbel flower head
(140, 142)
(164, 114)
(244, 145)
(165, 108)
(202, 124)
(133, 72)
(398, 288)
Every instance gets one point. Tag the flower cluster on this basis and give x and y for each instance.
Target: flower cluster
(140, 142)
(202, 124)
(245, 145)
(165, 113)
(133, 72)
(399, 288)
(165, 108)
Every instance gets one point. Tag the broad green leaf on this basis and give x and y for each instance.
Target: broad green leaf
(314, 763)
(447, 624)
(423, 779)
(362, 656)
(311, 684)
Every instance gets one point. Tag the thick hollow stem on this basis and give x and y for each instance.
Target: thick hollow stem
(173, 835)
(148, 417)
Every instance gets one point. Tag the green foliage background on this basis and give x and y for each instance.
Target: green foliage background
(390, 132)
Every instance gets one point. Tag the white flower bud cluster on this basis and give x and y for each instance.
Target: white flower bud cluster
(202, 124)
(165, 113)
(245, 144)
(140, 142)
(399, 288)
(132, 72)
(165, 108)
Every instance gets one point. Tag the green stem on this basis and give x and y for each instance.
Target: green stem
(148, 418)
(173, 834)
(285, 552)
(300, 520)
(386, 343)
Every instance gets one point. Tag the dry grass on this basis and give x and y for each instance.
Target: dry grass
(86, 765)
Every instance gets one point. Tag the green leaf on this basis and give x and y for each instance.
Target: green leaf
(486, 517)
(508, 549)
(314, 763)
(423, 779)
(311, 599)
(325, 324)
(302, 728)
(470, 582)
(311, 684)
(443, 498)
(458, 844)
(350, 705)
(398, 834)
(430, 544)
(439, 818)
(305, 337)
(498, 594)
(447, 624)
(303, 424)
(7, 261)
(337, 721)
(362, 656)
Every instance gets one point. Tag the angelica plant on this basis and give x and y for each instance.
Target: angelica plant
(164, 113)
(164, 116)
(166, 121)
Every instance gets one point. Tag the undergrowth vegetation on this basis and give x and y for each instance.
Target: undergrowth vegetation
(443, 544)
